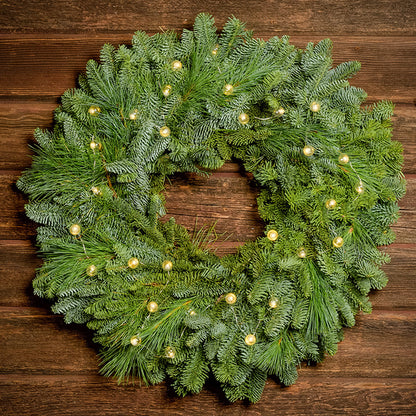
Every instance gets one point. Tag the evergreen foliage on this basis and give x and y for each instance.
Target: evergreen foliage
(104, 165)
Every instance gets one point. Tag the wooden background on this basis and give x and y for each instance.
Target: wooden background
(49, 368)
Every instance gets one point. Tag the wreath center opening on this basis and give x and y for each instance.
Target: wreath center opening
(226, 199)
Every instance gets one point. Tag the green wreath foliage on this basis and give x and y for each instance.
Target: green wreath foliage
(160, 303)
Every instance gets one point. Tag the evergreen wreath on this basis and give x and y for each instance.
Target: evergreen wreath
(161, 304)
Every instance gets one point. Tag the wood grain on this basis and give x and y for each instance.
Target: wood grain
(18, 262)
(268, 17)
(368, 347)
(226, 198)
(49, 368)
(19, 118)
(91, 395)
(55, 63)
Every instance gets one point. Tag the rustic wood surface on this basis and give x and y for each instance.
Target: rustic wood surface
(49, 368)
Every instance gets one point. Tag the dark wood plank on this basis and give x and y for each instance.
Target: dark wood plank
(193, 199)
(47, 346)
(302, 16)
(400, 292)
(230, 201)
(405, 228)
(378, 346)
(47, 66)
(56, 395)
(13, 222)
(19, 119)
(34, 341)
(49, 368)
(18, 262)
(226, 197)
(404, 127)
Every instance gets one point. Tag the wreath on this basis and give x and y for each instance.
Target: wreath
(160, 303)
